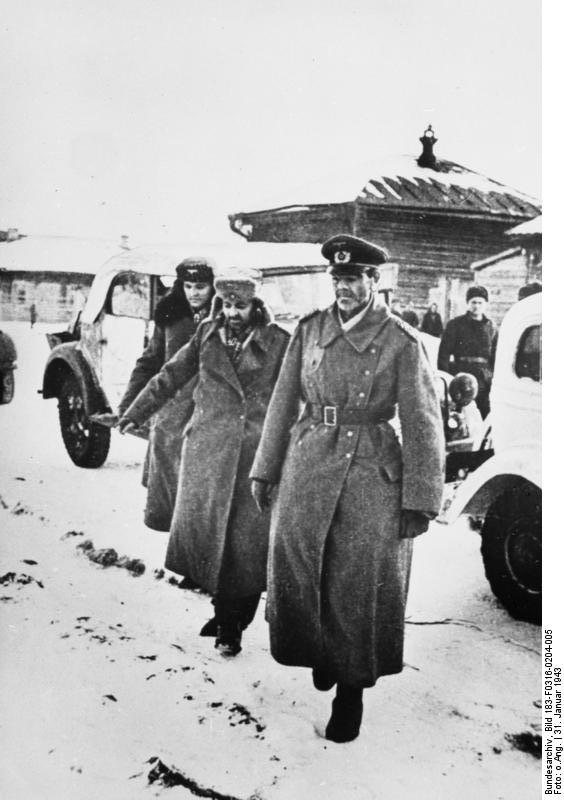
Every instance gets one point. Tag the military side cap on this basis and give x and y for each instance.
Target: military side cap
(347, 253)
(197, 270)
(236, 287)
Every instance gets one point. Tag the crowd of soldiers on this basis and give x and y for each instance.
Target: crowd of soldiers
(274, 466)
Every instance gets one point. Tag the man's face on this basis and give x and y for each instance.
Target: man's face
(197, 293)
(351, 291)
(237, 313)
(477, 307)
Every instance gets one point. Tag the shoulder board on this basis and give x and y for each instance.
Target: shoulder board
(309, 316)
(405, 327)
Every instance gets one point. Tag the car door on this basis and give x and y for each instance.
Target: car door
(125, 331)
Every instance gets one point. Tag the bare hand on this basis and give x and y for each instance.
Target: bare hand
(125, 425)
(262, 494)
(412, 523)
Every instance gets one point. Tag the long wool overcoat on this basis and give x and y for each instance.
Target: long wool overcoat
(175, 324)
(218, 539)
(338, 570)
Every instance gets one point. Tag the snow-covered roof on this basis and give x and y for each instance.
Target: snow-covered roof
(399, 181)
(495, 259)
(56, 254)
(532, 227)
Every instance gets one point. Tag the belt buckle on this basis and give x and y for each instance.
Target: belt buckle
(330, 416)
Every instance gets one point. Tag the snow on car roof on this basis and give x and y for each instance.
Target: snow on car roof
(162, 260)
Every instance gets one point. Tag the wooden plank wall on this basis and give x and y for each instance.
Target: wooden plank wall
(56, 295)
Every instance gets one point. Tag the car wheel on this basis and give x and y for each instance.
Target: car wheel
(86, 443)
(512, 550)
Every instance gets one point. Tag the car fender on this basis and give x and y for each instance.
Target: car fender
(69, 357)
(479, 489)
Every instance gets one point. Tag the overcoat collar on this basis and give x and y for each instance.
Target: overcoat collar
(252, 357)
(361, 335)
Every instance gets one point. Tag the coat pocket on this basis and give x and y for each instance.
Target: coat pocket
(392, 471)
(391, 461)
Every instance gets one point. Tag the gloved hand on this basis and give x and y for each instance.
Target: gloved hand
(262, 493)
(126, 425)
(412, 523)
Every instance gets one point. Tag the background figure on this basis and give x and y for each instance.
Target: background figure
(219, 540)
(432, 322)
(468, 345)
(350, 496)
(32, 315)
(177, 316)
(410, 315)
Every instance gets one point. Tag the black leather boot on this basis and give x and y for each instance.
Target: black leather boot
(322, 679)
(228, 640)
(344, 724)
(210, 628)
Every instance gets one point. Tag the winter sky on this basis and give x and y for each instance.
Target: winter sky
(156, 118)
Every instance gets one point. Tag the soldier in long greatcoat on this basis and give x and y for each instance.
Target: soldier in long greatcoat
(350, 495)
(219, 539)
(177, 316)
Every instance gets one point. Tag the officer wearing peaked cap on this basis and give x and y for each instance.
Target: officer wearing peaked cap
(350, 496)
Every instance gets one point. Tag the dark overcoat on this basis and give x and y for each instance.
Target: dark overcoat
(219, 540)
(338, 571)
(469, 345)
(175, 324)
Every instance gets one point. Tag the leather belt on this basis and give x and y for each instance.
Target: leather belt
(473, 359)
(339, 415)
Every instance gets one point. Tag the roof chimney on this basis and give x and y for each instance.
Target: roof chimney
(124, 241)
(427, 157)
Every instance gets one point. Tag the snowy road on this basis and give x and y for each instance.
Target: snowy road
(102, 671)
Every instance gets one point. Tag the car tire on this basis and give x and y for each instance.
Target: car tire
(7, 386)
(86, 443)
(512, 549)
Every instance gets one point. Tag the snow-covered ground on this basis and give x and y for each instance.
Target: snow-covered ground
(103, 673)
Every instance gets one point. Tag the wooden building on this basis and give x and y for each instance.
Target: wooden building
(53, 273)
(504, 273)
(434, 216)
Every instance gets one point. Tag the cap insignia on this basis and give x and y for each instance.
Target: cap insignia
(342, 257)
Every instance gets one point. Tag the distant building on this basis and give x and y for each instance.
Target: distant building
(434, 216)
(52, 272)
(505, 272)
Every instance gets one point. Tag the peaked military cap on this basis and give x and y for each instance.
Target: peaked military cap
(196, 270)
(347, 253)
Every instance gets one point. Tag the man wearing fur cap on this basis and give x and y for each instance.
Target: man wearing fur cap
(219, 539)
(177, 316)
(468, 345)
